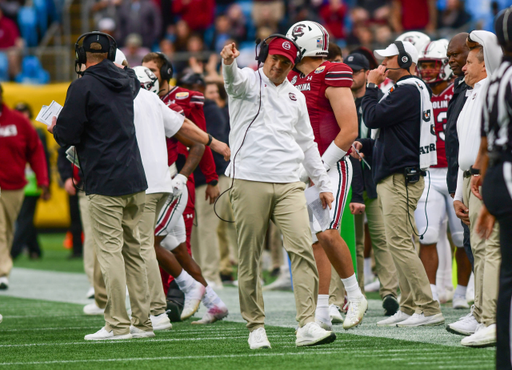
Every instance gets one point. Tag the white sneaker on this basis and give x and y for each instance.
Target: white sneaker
(483, 337)
(466, 325)
(1, 318)
(335, 314)
(139, 333)
(192, 300)
(445, 294)
(369, 278)
(92, 309)
(422, 320)
(399, 316)
(90, 293)
(213, 314)
(312, 334)
(103, 334)
(372, 287)
(459, 302)
(283, 282)
(4, 283)
(355, 313)
(258, 339)
(160, 322)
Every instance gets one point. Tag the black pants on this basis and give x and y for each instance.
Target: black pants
(467, 245)
(498, 200)
(25, 234)
(76, 225)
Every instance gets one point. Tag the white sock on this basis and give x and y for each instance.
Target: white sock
(184, 281)
(322, 308)
(368, 267)
(211, 299)
(460, 291)
(433, 287)
(352, 287)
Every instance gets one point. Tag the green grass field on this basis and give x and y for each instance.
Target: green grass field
(48, 333)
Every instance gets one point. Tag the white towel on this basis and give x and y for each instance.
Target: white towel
(427, 149)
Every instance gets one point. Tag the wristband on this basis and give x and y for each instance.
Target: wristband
(210, 139)
(332, 155)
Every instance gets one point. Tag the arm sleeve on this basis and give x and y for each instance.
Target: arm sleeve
(63, 165)
(172, 120)
(207, 164)
(312, 160)
(357, 182)
(35, 155)
(378, 114)
(237, 81)
(73, 116)
(458, 191)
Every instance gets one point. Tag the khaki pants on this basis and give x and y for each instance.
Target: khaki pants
(226, 232)
(10, 205)
(116, 236)
(398, 215)
(487, 257)
(384, 264)
(89, 254)
(254, 203)
(152, 208)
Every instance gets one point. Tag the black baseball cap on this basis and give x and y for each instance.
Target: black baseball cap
(96, 38)
(357, 61)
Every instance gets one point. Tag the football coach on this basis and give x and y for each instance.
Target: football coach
(270, 137)
(97, 118)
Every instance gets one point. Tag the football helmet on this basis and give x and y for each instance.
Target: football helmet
(418, 39)
(433, 64)
(311, 37)
(147, 79)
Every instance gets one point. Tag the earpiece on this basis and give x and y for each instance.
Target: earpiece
(404, 59)
(166, 71)
(263, 54)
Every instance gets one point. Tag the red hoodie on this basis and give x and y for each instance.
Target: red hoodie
(19, 144)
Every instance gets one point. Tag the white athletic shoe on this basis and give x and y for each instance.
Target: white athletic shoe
(355, 313)
(466, 325)
(335, 314)
(4, 283)
(139, 333)
(283, 282)
(192, 300)
(160, 322)
(372, 287)
(398, 317)
(92, 309)
(1, 318)
(445, 294)
(258, 339)
(103, 334)
(90, 293)
(419, 319)
(459, 302)
(312, 334)
(483, 337)
(213, 314)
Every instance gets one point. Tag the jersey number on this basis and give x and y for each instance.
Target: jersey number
(441, 118)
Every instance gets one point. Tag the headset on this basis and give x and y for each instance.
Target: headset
(404, 59)
(263, 54)
(166, 71)
(80, 53)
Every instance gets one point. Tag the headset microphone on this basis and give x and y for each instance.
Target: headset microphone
(392, 69)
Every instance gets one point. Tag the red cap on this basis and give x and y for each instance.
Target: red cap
(283, 47)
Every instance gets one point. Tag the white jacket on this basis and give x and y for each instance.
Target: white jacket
(153, 122)
(280, 136)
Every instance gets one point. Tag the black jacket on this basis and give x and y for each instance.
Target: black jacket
(398, 117)
(98, 119)
(452, 140)
(218, 126)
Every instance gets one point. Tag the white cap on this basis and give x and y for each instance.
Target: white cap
(120, 57)
(392, 50)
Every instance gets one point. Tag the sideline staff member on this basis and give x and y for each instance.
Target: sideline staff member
(98, 119)
(400, 117)
(272, 135)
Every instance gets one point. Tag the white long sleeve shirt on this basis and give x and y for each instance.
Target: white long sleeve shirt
(154, 121)
(468, 131)
(280, 136)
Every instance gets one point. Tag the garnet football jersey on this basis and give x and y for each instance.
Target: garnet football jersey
(440, 106)
(313, 86)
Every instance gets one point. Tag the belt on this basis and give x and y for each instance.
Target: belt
(470, 172)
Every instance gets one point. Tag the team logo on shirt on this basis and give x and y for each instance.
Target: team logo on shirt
(292, 96)
(320, 69)
(294, 79)
(287, 45)
(182, 95)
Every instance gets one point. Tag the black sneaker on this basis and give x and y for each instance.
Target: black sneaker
(175, 302)
(390, 305)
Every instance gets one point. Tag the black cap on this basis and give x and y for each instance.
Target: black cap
(97, 38)
(191, 79)
(357, 61)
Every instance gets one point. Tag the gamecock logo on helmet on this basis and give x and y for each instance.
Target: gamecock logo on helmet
(298, 31)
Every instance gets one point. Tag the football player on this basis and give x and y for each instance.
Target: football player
(333, 117)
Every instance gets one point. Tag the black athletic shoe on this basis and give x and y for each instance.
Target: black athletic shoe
(390, 305)
(175, 302)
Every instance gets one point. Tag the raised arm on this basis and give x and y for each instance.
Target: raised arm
(236, 81)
